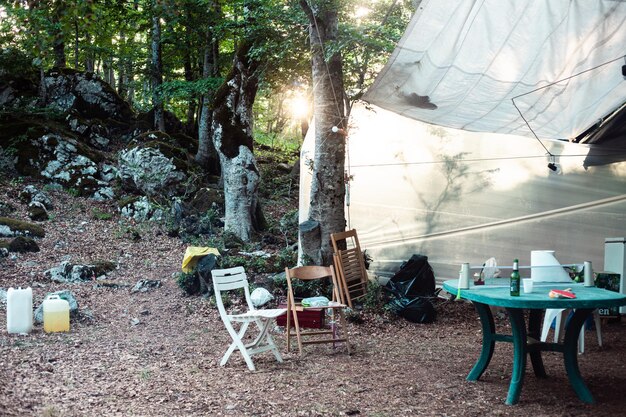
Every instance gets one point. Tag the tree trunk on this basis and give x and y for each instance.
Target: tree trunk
(58, 42)
(327, 187)
(156, 72)
(207, 155)
(76, 44)
(89, 56)
(232, 137)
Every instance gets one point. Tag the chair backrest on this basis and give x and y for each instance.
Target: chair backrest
(309, 273)
(350, 265)
(228, 280)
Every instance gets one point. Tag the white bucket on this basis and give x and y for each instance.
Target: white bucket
(19, 310)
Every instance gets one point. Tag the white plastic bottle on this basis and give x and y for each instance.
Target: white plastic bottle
(19, 310)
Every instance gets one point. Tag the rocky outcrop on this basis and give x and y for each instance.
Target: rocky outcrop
(76, 273)
(86, 94)
(150, 172)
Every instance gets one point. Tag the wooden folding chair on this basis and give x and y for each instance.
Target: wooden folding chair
(350, 266)
(233, 279)
(334, 334)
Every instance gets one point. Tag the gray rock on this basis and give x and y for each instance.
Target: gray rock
(3, 296)
(5, 231)
(146, 285)
(108, 172)
(59, 273)
(63, 294)
(103, 194)
(149, 171)
(141, 210)
(30, 194)
(69, 273)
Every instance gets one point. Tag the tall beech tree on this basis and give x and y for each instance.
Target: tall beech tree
(326, 212)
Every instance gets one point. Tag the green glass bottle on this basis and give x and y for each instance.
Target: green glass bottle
(515, 279)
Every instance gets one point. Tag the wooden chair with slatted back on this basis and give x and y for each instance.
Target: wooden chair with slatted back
(337, 330)
(350, 266)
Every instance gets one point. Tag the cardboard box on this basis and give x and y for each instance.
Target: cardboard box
(310, 319)
(609, 281)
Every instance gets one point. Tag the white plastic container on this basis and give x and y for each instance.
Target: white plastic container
(56, 314)
(19, 310)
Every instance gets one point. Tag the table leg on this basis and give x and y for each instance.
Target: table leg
(518, 329)
(534, 331)
(489, 342)
(570, 354)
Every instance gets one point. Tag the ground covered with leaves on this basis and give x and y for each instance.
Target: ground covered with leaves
(157, 352)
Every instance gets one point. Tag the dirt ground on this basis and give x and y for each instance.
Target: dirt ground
(157, 353)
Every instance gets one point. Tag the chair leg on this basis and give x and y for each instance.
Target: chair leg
(581, 340)
(238, 344)
(559, 325)
(597, 322)
(265, 338)
(288, 329)
(344, 330)
(551, 315)
(298, 335)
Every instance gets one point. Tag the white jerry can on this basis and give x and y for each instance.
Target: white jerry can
(19, 310)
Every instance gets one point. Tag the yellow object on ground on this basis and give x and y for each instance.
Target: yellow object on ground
(193, 255)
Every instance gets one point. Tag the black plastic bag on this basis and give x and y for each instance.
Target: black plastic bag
(417, 310)
(414, 279)
(411, 289)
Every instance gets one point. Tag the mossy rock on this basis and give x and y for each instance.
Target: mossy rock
(21, 228)
(38, 213)
(102, 267)
(23, 244)
(125, 201)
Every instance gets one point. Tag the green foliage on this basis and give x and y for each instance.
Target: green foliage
(74, 192)
(252, 264)
(100, 215)
(181, 89)
(303, 289)
(188, 282)
(375, 298)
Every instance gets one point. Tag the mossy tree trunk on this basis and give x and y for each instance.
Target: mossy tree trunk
(232, 137)
(327, 187)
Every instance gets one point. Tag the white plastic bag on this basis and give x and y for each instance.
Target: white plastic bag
(260, 296)
(490, 269)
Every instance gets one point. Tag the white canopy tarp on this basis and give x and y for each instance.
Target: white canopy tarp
(461, 62)
(458, 196)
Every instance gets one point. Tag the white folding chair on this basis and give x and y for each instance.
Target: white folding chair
(234, 279)
(558, 315)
